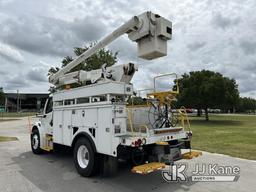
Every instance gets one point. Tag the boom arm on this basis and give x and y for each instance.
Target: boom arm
(149, 30)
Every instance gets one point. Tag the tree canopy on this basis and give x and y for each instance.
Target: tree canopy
(136, 101)
(207, 89)
(103, 56)
(2, 96)
(246, 104)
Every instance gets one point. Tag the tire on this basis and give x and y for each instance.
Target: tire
(85, 158)
(35, 142)
(61, 149)
(109, 166)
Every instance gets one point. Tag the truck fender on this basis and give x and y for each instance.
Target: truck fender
(38, 126)
(84, 135)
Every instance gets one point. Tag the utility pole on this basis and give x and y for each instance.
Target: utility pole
(6, 103)
(17, 100)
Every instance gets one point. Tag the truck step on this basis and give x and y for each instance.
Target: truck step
(47, 148)
(48, 143)
(48, 137)
(148, 168)
(191, 155)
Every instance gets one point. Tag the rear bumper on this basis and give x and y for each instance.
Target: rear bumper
(129, 140)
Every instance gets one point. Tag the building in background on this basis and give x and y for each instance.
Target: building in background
(25, 102)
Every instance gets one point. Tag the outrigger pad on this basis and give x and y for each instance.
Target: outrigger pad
(191, 155)
(148, 167)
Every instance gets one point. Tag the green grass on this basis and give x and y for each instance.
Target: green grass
(233, 135)
(15, 114)
(3, 138)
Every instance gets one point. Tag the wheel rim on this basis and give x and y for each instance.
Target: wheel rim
(35, 141)
(83, 156)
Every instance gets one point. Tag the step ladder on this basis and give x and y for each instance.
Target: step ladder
(48, 143)
(184, 118)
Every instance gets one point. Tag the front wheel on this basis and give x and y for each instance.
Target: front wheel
(85, 158)
(35, 142)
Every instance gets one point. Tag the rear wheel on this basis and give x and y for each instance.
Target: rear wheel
(35, 142)
(109, 166)
(85, 158)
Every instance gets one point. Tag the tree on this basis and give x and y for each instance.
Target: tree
(94, 62)
(207, 89)
(136, 101)
(246, 104)
(103, 56)
(2, 96)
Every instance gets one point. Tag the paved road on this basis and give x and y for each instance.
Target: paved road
(20, 170)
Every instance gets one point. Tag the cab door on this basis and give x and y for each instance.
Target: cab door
(47, 119)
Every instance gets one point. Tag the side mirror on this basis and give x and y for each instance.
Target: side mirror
(40, 115)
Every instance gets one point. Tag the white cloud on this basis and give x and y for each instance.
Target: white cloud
(216, 35)
(10, 53)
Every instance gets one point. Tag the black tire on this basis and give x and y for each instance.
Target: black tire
(109, 166)
(85, 158)
(35, 142)
(61, 149)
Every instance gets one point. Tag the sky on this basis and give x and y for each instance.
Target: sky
(215, 35)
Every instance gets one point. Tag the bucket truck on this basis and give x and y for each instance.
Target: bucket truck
(95, 121)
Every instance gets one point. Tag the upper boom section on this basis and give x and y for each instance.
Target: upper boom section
(150, 31)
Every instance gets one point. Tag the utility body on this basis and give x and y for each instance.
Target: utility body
(95, 120)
